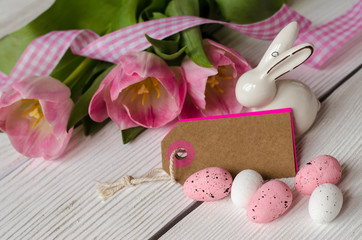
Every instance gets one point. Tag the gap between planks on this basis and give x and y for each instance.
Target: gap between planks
(332, 128)
(196, 204)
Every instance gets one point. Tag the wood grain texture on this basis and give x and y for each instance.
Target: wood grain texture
(10, 159)
(57, 199)
(337, 132)
(48, 199)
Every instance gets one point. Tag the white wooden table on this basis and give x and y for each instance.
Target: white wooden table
(57, 199)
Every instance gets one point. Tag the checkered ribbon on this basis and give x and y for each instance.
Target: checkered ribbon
(328, 38)
(43, 54)
(112, 46)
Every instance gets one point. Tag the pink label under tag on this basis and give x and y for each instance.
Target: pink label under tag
(262, 141)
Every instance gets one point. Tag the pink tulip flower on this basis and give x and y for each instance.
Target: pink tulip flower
(141, 91)
(211, 91)
(34, 114)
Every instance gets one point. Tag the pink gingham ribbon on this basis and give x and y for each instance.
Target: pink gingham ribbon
(112, 46)
(328, 38)
(43, 54)
(3, 77)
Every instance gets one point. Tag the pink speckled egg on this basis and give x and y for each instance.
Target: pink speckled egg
(322, 169)
(209, 184)
(269, 202)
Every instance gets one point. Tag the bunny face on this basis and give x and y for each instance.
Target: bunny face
(257, 90)
(253, 91)
(257, 87)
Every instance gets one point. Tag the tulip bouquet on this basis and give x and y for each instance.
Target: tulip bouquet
(185, 75)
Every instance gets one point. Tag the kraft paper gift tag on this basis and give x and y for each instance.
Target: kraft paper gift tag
(262, 141)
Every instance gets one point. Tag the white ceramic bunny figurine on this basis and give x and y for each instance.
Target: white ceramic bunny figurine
(257, 90)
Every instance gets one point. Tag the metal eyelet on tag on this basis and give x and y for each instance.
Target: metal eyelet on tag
(187, 156)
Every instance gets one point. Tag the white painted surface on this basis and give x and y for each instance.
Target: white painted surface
(58, 198)
(15, 14)
(337, 132)
(46, 200)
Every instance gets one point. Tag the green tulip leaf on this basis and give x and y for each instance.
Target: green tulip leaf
(169, 46)
(191, 38)
(90, 127)
(170, 56)
(158, 15)
(98, 16)
(84, 75)
(156, 6)
(248, 11)
(80, 109)
(126, 15)
(131, 133)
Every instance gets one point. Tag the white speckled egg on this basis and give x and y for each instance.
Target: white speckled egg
(325, 203)
(244, 186)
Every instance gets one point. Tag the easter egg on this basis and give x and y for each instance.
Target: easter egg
(325, 203)
(209, 184)
(269, 202)
(322, 169)
(244, 186)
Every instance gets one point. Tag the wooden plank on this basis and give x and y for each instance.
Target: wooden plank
(10, 158)
(337, 132)
(48, 199)
(45, 199)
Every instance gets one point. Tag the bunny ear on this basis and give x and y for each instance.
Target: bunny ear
(288, 60)
(282, 42)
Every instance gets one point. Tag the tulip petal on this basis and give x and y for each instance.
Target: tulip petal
(155, 112)
(8, 97)
(37, 130)
(33, 141)
(5, 112)
(190, 110)
(121, 80)
(46, 88)
(153, 103)
(181, 83)
(117, 112)
(216, 97)
(141, 65)
(57, 114)
(97, 107)
(196, 78)
(222, 103)
(240, 64)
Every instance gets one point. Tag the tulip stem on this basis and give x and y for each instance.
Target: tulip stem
(84, 66)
